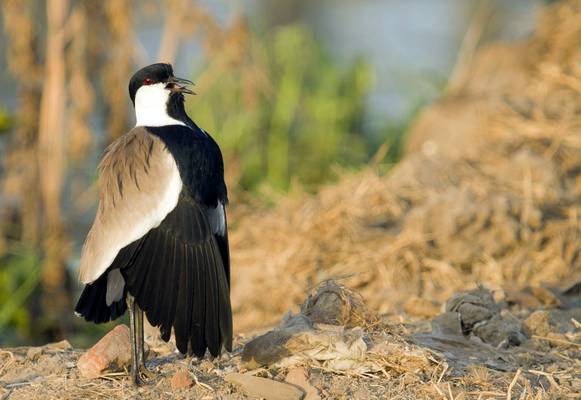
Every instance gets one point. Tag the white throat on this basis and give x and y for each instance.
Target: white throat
(151, 106)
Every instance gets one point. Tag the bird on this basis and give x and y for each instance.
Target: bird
(159, 241)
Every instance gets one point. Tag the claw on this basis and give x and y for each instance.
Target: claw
(146, 374)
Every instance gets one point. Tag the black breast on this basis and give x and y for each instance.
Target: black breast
(199, 162)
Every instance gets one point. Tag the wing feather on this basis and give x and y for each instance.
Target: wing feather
(178, 279)
(139, 185)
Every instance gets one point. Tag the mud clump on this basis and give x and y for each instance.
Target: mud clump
(503, 330)
(328, 328)
(538, 323)
(481, 316)
(474, 328)
(475, 307)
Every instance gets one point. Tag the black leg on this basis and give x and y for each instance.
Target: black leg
(135, 339)
(141, 344)
(139, 334)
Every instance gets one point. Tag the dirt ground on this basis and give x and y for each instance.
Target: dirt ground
(488, 194)
(479, 345)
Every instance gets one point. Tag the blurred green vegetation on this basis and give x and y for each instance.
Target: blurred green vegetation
(20, 271)
(5, 120)
(306, 118)
(20, 275)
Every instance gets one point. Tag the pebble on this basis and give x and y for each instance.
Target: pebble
(267, 389)
(299, 377)
(181, 380)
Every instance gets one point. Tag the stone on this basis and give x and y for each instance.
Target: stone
(111, 352)
(267, 389)
(299, 377)
(270, 348)
(502, 331)
(181, 380)
(475, 307)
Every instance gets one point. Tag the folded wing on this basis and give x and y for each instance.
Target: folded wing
(139, 186)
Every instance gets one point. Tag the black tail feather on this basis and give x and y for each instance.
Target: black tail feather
(178, 278)
(92, 304)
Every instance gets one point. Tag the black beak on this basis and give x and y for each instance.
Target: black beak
(178, 85)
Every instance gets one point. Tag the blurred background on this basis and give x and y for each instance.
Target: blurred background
(295, 92)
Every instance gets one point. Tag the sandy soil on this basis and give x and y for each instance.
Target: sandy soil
(477, 347)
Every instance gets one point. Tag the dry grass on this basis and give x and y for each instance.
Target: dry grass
(488, 193)
(393, 368)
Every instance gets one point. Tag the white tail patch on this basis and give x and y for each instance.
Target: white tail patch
(217, 219)
(115, 286)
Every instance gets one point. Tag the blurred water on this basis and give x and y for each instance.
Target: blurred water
(412, 44)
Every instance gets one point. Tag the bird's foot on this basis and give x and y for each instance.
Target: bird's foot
(136, 379)
(142, 376)
(146, 374)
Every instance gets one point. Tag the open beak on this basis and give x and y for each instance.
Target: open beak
(178, 85)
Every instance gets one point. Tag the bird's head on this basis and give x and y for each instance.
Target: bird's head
(156, 92)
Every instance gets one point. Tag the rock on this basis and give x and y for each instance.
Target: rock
(480, 316)
(112, 351)
(268, 389)
(538, 323)
(504, 330)
(298, 377)
(181, 380)
(270, 348)
(448, 323)
(328, 329)
(473, 328)
(335, 304)
(474, 307)
(562, 320)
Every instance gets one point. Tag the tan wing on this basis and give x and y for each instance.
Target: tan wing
(139, 185)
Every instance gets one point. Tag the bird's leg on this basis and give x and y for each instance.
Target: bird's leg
(141, 343)
(140, 338)
(131, 305)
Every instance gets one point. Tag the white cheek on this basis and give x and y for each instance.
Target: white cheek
(151, 106)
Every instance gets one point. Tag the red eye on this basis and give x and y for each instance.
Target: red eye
(147, 81)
